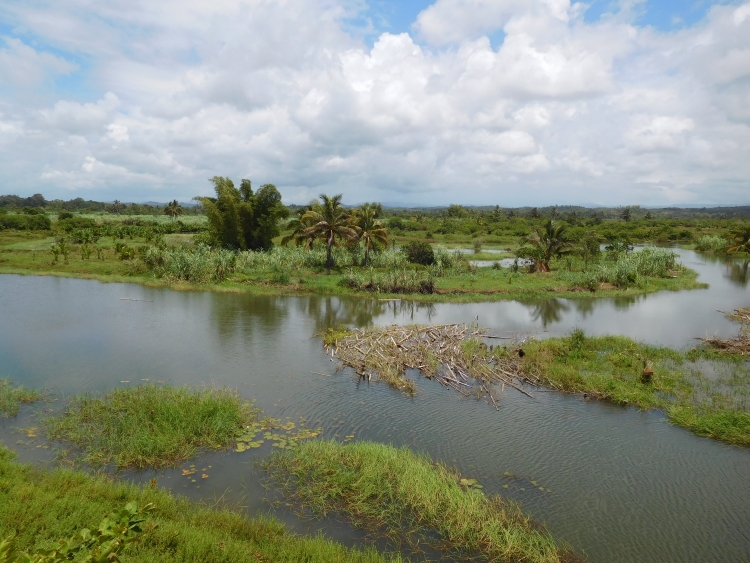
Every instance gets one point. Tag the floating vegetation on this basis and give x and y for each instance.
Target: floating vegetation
(289, 439)
(453, 354)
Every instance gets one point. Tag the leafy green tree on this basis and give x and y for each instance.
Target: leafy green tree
(370, 230)
(740, 240)
(589, 249)
(329, 221)
(418, 252)
(240, 219)
(545, 243)
(298, 228)
(626, 214)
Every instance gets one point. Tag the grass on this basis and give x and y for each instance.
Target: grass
(698, 389)
(150, 425)
(409, 497)
(40, 506)
(11, 397)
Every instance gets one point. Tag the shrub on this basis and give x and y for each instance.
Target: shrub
(418, 252)
(711, 243)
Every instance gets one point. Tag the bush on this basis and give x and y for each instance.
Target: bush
(711, 243)
(419, 253)
(25, 222)
(64, 215)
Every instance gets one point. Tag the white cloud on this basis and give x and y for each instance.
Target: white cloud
(276, 90)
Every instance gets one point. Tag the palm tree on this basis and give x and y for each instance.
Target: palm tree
(548, 242)
(299, 227)
(369, 228)
(173, 209)
(328, 221)
(740, 240)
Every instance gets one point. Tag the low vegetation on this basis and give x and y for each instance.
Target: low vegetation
(150, 425)
(38, 507)
(412, 499)
(12, 397)
(704, 392)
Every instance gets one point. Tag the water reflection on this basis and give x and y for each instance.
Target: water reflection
(738, 272)
(549, 311)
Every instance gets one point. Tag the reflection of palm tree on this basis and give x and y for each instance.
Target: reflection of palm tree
(586, 306)
(329, 221)
(549, 311)
(738, 273)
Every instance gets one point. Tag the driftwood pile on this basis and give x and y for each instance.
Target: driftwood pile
(456, 355)
(739, 344)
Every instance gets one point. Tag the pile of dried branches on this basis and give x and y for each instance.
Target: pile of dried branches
(453, 354)
(739, 344)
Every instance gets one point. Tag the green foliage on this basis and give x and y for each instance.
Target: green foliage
(199, 265)
(412, 499)
(25, 222)
(173, 209)
(103, 545)
(149, 425)
(401, 281)
(739, 239)
(11, 397)
(38, 506)
(418, 252)
(711, 243)
(369, 229)
(239, 219)
(630, 269)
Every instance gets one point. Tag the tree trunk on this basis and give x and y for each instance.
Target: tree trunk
(329, 255)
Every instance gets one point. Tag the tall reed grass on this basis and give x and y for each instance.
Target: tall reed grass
(711, 243)
(631, 269)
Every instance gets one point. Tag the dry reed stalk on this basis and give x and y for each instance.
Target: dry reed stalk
(453, 354)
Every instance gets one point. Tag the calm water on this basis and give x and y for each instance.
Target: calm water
(625, 485)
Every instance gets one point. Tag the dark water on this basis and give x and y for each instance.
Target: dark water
(625, 485)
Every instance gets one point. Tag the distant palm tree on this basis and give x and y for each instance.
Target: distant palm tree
(369, 228)
(740, 240)
(548, 242)
(173, 209)
(328, 221)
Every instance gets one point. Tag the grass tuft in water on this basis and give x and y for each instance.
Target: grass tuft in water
(11, 397)
(150, 425)
(699, 389)
(409, 497)
(38, 507)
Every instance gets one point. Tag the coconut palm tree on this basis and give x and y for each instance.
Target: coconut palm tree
(740, 240)
(369, 228)
(299, 228)
(546, 243)
(328, 221)
(173, 209)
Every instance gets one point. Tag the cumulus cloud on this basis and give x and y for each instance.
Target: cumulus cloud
(279, 91)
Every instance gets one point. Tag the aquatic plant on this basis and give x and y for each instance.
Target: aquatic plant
(12, 397)
(150, 425)
(411, 499)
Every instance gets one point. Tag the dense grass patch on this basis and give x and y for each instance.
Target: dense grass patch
(700, 390)
(411, 498)
(150, 425)
(39, 507)
(11, 397)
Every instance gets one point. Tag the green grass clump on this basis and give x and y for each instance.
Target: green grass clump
(699, 389)
(411, 498)
(11, 397)
(38, 507)
(150, 425)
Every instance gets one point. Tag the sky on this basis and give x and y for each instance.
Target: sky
(474, 102)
